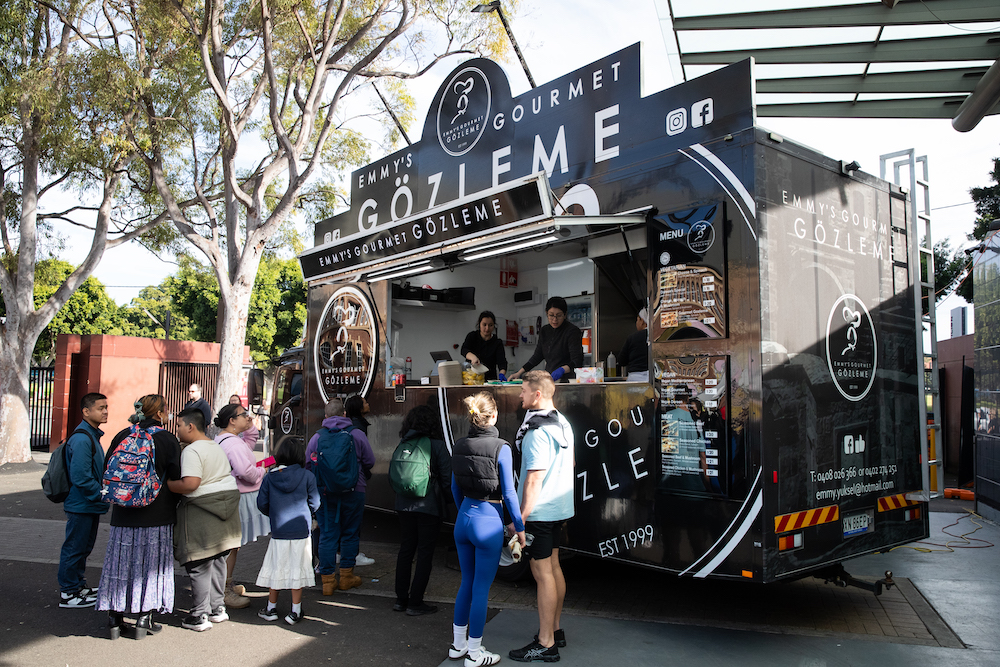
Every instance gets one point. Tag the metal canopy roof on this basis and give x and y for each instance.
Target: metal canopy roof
(867, 59)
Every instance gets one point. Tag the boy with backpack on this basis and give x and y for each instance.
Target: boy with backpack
(208, 520)
(84, 505)
(340, 456)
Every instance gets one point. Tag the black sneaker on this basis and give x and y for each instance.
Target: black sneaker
(268, 614)
(292, 618)
(420, 609)
(76, 600)
(560, 638)
(399, 605)
(198, 623)
(535, 652)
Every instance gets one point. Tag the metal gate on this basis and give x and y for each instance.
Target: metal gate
(40, 381)
(177, 376)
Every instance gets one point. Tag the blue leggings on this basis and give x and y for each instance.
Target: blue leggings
(479, 538)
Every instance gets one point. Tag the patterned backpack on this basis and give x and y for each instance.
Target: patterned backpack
(130, 478)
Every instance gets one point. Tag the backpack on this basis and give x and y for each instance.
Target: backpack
(410, 468)
(55, 481)
(336, 460)
(130, 478)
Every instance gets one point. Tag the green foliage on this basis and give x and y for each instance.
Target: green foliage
(88, 311)
(191, 295)
(987, 202)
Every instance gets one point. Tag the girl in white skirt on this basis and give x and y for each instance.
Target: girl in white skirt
(288, 495)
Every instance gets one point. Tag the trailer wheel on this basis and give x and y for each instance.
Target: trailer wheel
(515, 571)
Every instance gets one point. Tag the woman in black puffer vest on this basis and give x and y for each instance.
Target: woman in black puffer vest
(482, 478)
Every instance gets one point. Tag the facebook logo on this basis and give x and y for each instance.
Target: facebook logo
(854, 445)
(702, 113)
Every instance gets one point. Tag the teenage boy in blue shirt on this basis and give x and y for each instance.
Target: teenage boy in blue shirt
(84, 504)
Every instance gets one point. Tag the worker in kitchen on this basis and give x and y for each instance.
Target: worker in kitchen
(560, 343)
(482, 346)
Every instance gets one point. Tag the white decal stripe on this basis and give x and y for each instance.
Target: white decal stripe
(744, 527)
(730, 176)
(728, 191)
(445, 422)
(728, 528)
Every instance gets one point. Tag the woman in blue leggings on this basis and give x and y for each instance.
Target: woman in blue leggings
(482, 479)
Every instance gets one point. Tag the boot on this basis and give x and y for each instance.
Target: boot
(233, 600)
(115, 623)
(146, 625)
(348, 579)
(329, 583)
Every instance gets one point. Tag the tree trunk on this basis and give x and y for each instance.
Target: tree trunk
(234, 334)
(15, 365)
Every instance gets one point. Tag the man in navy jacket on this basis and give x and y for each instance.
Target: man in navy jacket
(84, 504)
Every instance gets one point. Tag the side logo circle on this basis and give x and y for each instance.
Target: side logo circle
(851, 347)
(464, 111)
(287, 420)
(701, 236)
(346, 346)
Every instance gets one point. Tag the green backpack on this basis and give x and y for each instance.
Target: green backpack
(410, 468)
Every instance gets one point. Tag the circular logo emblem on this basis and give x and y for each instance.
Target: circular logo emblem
(851, 347)
(664, 258)
(464, 111)
(346, 345)
(701, 236)
(287, 419)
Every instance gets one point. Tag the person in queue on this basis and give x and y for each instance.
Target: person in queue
(251, 435)
(545, 440)
(340, 513)
(356, 409)
(560, 343)
(137, 577)
(232, 421)
(84, 505)
(208, 520)
(482, 346)
(634, 356)
(420, 518)
(482, 479)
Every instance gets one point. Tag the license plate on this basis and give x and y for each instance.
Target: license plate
(859, 524)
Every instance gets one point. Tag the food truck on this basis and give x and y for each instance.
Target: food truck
(777, 434)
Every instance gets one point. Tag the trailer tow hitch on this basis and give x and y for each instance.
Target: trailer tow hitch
(838, 576)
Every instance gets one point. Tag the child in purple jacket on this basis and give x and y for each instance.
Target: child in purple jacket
(289, 496)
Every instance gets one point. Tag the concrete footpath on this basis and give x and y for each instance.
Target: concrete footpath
(944, 608)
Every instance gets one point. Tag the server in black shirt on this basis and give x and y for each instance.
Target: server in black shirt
(560, 343)
(483, 347)
(634, 357)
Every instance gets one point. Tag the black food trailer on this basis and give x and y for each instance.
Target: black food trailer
(777, 434)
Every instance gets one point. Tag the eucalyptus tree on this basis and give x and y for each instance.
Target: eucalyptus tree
(62, 162)
(256, 93)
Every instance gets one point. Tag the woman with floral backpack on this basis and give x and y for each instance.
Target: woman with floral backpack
(138, 573)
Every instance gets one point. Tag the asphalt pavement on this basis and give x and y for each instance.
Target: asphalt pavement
(943, 610)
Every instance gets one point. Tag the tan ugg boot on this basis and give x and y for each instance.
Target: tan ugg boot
(329, 583)
(234, 600)
(348, 579)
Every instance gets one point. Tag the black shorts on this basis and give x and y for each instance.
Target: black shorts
(546, 536)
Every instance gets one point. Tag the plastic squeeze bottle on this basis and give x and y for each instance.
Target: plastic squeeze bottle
(612, 366)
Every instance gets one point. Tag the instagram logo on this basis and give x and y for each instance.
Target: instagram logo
(677, 121)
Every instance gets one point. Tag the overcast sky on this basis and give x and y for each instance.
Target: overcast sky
(558, 36)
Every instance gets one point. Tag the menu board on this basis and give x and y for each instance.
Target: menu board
(693, 413)
(687, 253)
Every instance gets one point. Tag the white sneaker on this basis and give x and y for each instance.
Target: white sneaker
(363, 560)
(485, 658)
(457, 654)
